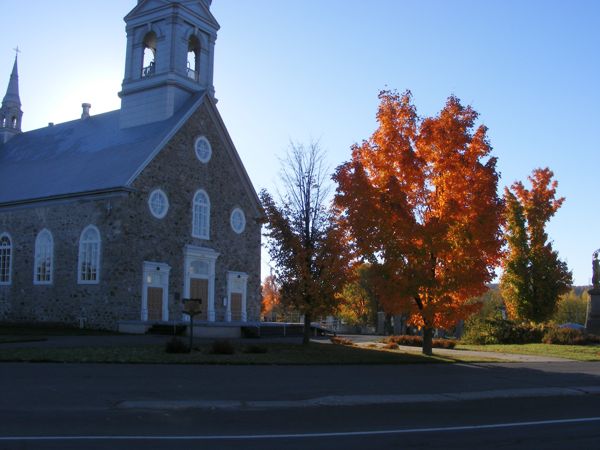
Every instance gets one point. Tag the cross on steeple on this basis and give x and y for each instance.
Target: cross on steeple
(17, 51)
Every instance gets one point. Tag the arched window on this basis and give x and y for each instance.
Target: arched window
(193, 58)
(5, 258)
(201, 215)
(149, 62)
(44, 258)
(88, 269)
(3, 122)
(13, 122)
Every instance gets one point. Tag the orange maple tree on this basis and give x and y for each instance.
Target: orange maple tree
(270, 295)
(420, 201)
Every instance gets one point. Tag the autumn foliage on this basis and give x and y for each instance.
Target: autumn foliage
(419, 199)
(270, 295)
(534, 277)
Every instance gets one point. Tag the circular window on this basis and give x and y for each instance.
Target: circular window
(238, 220)
(158, 203)
(203, 149)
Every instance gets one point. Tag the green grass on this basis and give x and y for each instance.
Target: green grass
(17, 339)
(11, 330)
(277, 354)
(576, 352)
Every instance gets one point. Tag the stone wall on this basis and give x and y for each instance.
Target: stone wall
(131, 235)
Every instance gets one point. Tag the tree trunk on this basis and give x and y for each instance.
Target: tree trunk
(307, 321)
(428, 341)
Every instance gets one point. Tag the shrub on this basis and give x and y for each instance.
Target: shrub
(417, 341)
(564, 336)
(176, 345)
(255, 349)
(341, 341)
(501, 331)
(222, 347)
(252, 332)
(391, 346)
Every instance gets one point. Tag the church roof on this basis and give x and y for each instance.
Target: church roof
(12, 92)
(81, 156)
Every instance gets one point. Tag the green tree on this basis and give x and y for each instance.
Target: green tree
(303, 237)
(358, 303)
(572, 308)
(534, 277)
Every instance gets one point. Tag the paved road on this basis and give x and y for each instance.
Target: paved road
(112, 401)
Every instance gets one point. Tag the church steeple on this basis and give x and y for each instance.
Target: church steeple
(10, 112)
(170, 56)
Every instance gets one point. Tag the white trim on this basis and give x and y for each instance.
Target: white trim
(166, 200)
(10, 259)
(98, 257)
(231, 278)
(192, 254)
(148, 268)
(237, 209)
(225, 139)
(203, 160)
(36, 260)
(237, 161)
(182, 121)
(206, 234)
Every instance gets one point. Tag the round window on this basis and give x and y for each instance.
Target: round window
(158, 203)
(203, 149)
(238, 220)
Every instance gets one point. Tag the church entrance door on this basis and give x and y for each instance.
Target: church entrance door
(199, 291)
(199, 281)
(155, 292)
(155, 303)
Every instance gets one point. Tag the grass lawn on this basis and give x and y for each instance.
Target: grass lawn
(36, 331)
(576, 352)
(277, 354)
(15, 339)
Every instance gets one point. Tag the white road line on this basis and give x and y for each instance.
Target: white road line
(258, 437)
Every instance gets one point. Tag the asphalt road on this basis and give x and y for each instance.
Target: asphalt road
(62, 406)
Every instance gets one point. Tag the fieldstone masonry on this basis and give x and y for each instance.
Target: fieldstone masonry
(131, 235)
(116, 205)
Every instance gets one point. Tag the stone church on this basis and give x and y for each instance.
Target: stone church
(113, 220)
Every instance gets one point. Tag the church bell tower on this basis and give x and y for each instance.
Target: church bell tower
(10, 111)
(170, 57)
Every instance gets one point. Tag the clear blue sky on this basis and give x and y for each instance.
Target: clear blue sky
(311, 69)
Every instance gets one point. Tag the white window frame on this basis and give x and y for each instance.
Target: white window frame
(9, 258)
(206, 159)
(97, 255)
(39, 258)
(241, 211)
(200, 229)
(166, 200)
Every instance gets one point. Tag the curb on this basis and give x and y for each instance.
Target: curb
(358, 400)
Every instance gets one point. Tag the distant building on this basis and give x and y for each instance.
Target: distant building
(112, 220)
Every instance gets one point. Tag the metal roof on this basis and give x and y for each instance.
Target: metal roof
(87, 155)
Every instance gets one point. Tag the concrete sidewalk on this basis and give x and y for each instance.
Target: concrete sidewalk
(366, 340)
(29, 387)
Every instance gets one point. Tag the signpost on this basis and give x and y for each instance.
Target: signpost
(192, 307)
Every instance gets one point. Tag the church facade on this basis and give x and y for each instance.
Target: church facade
(113, 220)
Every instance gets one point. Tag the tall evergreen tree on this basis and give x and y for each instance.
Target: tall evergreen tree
(534, 277)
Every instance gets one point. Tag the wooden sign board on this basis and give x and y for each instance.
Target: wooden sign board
(192, 306)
